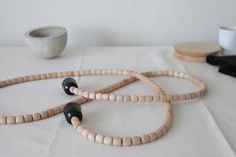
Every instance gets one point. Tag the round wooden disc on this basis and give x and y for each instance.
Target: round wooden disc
(189, 58)
(197, 49)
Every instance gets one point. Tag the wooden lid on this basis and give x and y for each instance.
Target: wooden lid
(189, 58)
(197, 49)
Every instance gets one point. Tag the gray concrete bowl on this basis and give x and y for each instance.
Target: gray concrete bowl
(48, 42)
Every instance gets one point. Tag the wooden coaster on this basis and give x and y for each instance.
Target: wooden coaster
(189, 58)
(197, 49)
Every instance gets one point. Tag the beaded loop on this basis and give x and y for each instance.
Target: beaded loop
(6, 119)
(103, 94)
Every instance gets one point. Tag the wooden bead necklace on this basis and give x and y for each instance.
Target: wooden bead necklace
(73, 112)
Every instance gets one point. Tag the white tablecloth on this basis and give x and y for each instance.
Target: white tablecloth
(202, 127)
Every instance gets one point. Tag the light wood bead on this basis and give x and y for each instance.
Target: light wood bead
(32, 77)
(142, 98)
(158, 133)
(181, 75)
(3, 120)
(163, 129)
(87, 72)
(168, 97)
(11, 119)
(113, 71)
(119, 98)
(127, 141)
(117, 141)
(136, 140)
(85, 94)
(91, 136)
(99, 138)
(152, 136)
(149, 98)
(188, 96)
(44, 114)
(20, 119)
(104, 71)
(127, 98)
(108, 140)
(59, 74)
(145, 139)
(175, 97)
(134, 98)
(92, 95)
(57, 109)
(28, 118)
(109, 71)
(93, 72)
(112, 97)
(99, 96)
(51, 112)
(4, 83)
(98, 71)
(85, 132)
(182, 97)
(75, 121)
(156, 98)
(119, 72)
(79, 129)
(79, 92)
(105, 97)
(9, 82)
(163, 97)
(36, 116)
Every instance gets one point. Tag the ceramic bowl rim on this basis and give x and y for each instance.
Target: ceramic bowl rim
(62, 32)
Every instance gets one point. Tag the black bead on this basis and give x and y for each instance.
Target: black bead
(72, 109)
(67, 83)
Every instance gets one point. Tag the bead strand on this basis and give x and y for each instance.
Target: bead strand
(146, 98)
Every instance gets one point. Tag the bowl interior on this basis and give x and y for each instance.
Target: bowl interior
(47, 32)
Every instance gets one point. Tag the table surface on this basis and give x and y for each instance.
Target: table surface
(202, 127)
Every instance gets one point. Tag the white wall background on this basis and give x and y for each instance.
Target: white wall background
(118, 22)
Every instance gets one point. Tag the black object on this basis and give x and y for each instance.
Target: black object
(221, 60)
(67, 83)
(228, 69)
(72, 109)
